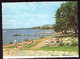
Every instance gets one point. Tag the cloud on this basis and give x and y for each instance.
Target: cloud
(28, 14)
(27, 20)
(32, 6)
(11, 21)
(52, 3)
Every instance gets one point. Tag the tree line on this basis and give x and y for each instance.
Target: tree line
(48, 26)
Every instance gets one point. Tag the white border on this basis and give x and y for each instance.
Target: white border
(37, 56)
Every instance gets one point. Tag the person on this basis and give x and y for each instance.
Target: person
(66, 39)
(5, 44)
(54, 38)
(51, 41)
(15, 42)
(47, 40)
(24, 39)
(57, 41)
(73, 39)
(15, 47)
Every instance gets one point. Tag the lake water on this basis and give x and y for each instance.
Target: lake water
(28, 34)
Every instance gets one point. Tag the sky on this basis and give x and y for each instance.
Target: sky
(28, 14)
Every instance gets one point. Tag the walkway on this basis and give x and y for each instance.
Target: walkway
(41, 44)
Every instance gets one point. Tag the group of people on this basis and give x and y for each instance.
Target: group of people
(69, 38)
(53, 41)
(31, 42)
(18, 45)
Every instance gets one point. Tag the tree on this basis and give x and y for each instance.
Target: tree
(67, 17)
(45, 27)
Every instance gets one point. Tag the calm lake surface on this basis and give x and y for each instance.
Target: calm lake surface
(28, 34)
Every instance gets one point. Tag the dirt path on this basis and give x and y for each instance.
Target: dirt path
(41, 44)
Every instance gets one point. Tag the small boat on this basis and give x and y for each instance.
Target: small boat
(16, 35)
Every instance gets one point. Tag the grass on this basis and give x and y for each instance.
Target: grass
(64, 48)
(10, 46)
(27, 46)
(65, 35)
(58, 48)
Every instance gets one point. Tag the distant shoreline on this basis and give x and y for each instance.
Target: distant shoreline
(28, 29)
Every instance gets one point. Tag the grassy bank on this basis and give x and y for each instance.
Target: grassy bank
(28, 46)
(64, 48)
(65, 35)
(57, 48)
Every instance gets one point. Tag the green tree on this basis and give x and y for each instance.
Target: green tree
(45, 27)
(66, 17)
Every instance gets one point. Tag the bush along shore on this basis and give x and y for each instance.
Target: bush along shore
(58, 45)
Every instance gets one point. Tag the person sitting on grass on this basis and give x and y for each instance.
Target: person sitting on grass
(54, 39)
(47, 41)
(51, 41)
(16, 47)
(66, 39)
(21, 46)
(57, 41)
(30, 42)
(69, 38)
(5, 44)
(60, 40)
(73, 39)
(34, 41)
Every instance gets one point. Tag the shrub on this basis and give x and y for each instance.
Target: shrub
(42, 37)
(27, 39)
(61, 44)
(71, 35)
(74, 44)
(67, 44)
(10, 43)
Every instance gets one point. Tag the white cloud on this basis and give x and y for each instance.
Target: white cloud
(28, 14)
(51, 3)
(11, 21)
(32, 6)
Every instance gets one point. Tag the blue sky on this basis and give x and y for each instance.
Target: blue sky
(28, 14)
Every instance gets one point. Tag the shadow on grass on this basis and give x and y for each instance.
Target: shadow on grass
(65, 35)
(58, 48)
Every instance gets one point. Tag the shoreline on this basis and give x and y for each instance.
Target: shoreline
(32, 51)
(23, 42)
(36, 34)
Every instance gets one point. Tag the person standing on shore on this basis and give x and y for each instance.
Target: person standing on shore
(24, 39)
(15, 42)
